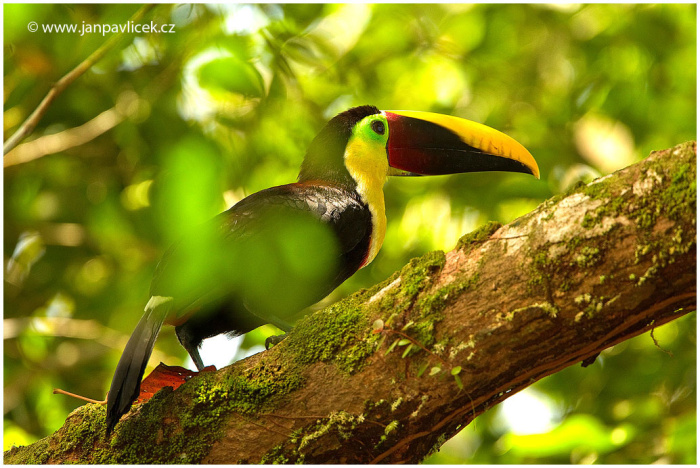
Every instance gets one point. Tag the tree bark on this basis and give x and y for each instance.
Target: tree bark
(390, 373)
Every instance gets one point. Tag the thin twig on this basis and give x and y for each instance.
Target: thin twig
(57, 142)
(128, 104)
(79, 397)
(31, 122)
(657, 343)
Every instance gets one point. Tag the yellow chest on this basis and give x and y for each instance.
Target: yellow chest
(375, 200)
(369, 166)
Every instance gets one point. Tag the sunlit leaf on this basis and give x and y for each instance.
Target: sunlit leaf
(29, 249)
(232, 75)
(578, 431)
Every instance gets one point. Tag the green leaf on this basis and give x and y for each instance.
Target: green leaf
(577, 432)
(459, 381)
(423, 368)
(393, 345)
(233, 75)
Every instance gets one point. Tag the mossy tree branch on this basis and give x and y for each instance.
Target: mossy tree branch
(390, 373)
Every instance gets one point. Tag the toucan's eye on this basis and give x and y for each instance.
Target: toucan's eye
(378, 127)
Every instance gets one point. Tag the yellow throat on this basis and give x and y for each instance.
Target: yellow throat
(367, 163)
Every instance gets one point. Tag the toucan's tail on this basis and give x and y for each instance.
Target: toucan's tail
(126, 382)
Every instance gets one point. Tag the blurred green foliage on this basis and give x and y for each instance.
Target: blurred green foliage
(226, 105)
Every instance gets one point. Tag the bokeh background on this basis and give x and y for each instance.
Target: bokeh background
(169, 129)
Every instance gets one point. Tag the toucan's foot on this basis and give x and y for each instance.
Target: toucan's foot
(273, 340)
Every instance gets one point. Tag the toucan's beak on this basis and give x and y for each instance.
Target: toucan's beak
(423, 143)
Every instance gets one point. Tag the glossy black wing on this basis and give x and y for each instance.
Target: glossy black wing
(341, 210)
(276, 251)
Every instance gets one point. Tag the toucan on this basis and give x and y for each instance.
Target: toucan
(285, 248)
